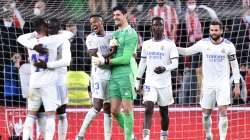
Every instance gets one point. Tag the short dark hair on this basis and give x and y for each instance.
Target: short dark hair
(39, 24)
(156, 18)
(54, 26)
(120, 8)
(217, 22)
(95, 15)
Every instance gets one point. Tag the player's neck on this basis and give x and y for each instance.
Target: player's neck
(123, 26)
(101, 33)
(158, 37)
(218, 41)
(40, 35)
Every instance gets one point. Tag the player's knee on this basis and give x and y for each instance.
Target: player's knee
(206, 115)
(32, 113)
(223, 114)
(97, 107)
(61, 109)
(98, 104)
(107, 108)
(164, 111)
(149, 107)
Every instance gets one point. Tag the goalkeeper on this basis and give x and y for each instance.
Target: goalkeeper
(123, 64)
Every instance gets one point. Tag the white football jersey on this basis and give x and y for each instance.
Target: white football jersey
(158, 53)
(42, 77)
(101, 44)
(215, 60)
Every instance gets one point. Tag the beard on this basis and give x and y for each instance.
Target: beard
(215, 38)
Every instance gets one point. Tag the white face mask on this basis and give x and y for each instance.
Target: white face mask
(191, 7)
(247, 19)
(13, 5)
(7, 23)
(37, 12)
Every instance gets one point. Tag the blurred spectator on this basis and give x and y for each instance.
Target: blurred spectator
(194, 32)
(9, 34)
(168, 13)
(246, 3)
(98, 6)
(194, 28)
(238, 31)
(80, 59)
(39, 10)
(12, 88)
(16, 17)
(243, 86)
(8, 44)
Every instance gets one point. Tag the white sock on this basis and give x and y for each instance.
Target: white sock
(50, 127)
(107, 126)
(223, 124)
(28, 127)
(87, 120)
(62, 126)
(146, 134)
(40, 125)
(164, 135)
(207, 124)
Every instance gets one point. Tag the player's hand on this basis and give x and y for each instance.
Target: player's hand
(41, 64)
(237, 90)
(113, 42)
(159, 69)
(40, 49)
(99, 60)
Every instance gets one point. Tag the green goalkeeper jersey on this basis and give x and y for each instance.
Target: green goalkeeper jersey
(123, 61)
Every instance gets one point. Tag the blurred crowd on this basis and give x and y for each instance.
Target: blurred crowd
(186, 22)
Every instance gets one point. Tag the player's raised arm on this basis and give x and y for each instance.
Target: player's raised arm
(25, 40)
(196, 48)
(66, 57)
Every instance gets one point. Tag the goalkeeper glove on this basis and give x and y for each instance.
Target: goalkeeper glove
(159, 69)
(40, 49)
(113, 42)
(41, 64)
(99, 60)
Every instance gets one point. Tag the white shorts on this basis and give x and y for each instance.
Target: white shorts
(99, 89)
(211, 95)
(46, 95)
(163, 96)
(62, 89)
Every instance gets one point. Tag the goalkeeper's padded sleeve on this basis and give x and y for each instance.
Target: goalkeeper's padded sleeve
(66, 57)
(130, 45)
(235, 70)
